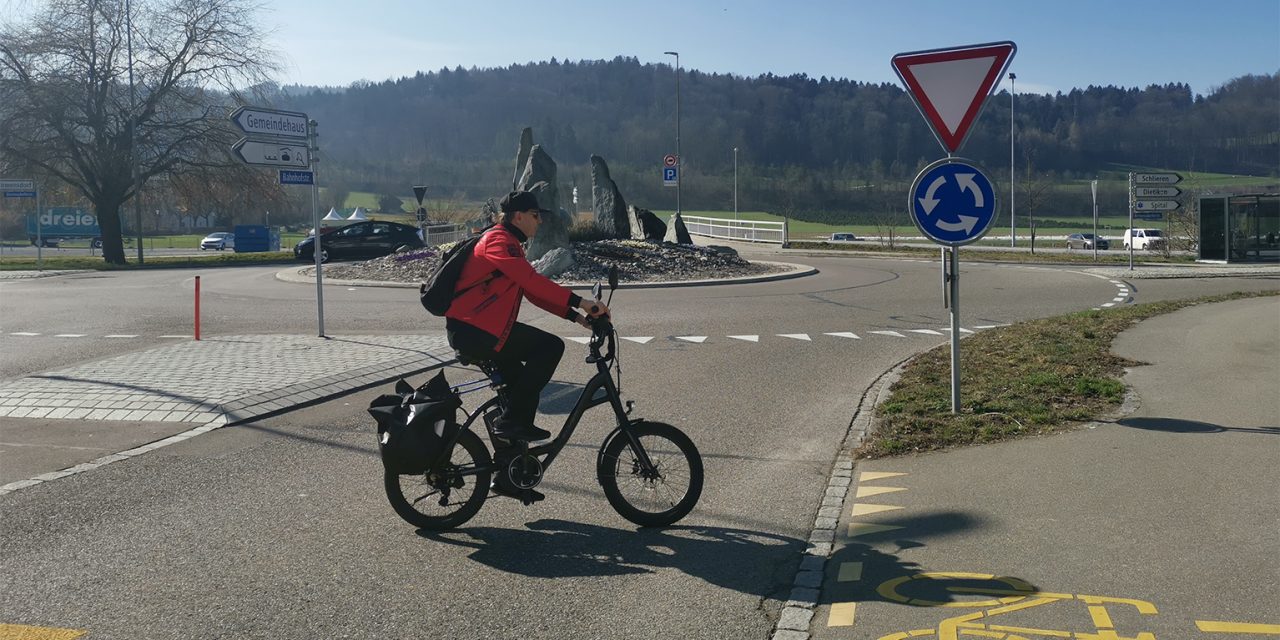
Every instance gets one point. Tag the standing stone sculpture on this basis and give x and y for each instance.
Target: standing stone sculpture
(536, 173)
(610, 208)
(677, 232)
(647, 226)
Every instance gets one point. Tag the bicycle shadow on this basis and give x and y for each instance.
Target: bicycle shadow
(745, 561)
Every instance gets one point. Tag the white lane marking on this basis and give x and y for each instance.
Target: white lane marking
(928, 332)
(643, 340)
(796, 336)
(843, 334)
(1108, 304)
(24, 333)
(889, 333)
(988, 326)
(698, 339)
(580, 339)
(70, 335)
(181, 337)
(122, 335)
(746, 338)
(962, 329)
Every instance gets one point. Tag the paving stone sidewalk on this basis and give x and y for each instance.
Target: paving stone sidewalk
(220, 380)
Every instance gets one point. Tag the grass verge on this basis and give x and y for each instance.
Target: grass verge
(1074, 257)
(1037, 377)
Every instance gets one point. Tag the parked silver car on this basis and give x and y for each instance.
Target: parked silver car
(1085, 241)
(219, 240)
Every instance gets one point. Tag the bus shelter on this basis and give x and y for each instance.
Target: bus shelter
(1240, 228)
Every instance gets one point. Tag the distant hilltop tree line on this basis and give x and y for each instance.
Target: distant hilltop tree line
(805, 145)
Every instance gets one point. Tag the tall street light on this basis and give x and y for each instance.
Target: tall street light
(735, 183)
(679, 173)
(1013, 238)
(133, 130)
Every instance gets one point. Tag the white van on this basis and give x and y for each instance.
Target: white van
(1143, 239)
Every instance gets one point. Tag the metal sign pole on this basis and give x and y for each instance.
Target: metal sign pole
(315, 221)
(39, 236)
(955, 330)
(1130, 231)
(1094, 186)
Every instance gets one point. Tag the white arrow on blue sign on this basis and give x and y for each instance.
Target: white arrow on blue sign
(952, 202)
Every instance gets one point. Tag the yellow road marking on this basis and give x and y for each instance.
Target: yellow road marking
(877, 475)
(865, 509)
(866, 492)
(1211, 626)
(865, 528)
(850, 572)
(841, 614)
(24, 632)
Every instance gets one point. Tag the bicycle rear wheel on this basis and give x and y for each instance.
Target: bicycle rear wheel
(656, 495)
(449, 496)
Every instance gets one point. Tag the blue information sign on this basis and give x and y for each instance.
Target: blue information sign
(669, 176)
(19, 194)
(952, 202)
(296, 177)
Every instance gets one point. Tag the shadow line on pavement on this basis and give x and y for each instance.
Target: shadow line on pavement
(1178, 425)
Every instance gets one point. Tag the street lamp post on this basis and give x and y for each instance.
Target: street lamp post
(735, 183)
(1013, 237)
(679, 172)
(133, 129)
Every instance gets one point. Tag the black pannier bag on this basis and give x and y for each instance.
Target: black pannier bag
(414, 424)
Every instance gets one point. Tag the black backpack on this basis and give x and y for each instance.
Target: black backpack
(438, 294)
(415, 424)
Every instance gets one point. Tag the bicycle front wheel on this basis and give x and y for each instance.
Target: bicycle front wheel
(661, 492)
(448, 496)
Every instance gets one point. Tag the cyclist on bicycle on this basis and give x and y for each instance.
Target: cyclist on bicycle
(481, 321)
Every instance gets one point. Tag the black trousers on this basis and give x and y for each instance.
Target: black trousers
(527, 362)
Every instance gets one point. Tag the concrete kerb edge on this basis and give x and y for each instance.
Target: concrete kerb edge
(806, 592)
(229, 418)
(295, 275)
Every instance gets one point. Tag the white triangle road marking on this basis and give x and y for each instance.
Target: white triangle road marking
(889, 333)
(697, 339)
(746, 338)
(843, 334)
(643, 340)
(796, 336)
(23, 333)
(928, 332)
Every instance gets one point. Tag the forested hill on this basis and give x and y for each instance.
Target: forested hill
(458, 129)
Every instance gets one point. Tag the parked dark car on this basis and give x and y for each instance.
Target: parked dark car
(1085, 241)
(361, 240)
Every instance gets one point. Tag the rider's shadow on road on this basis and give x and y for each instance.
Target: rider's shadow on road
(870, 567)
(745, 561)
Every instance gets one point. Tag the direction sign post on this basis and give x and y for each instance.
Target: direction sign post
(26, 188)
(1152, 188)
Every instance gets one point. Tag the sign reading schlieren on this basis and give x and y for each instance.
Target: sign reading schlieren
(950, 86)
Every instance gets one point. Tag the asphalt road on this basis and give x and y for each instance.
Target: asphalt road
(279, 528)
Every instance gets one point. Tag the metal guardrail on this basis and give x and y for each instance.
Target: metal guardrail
(438, 234)
(741, 230)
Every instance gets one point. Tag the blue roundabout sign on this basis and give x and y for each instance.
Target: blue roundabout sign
(952, 202)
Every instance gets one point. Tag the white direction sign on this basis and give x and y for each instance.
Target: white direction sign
(17, 185)
(1156, 192)
(1156, 178)
(272, 153)
(951, 85)
(1155, 205)
(270, 122)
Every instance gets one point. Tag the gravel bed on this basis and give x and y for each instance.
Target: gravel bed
(637, 261)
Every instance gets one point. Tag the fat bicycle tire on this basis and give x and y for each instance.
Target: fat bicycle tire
(659, 497)
(417, 497)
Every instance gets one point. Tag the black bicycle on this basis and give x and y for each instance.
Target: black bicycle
(650, 472)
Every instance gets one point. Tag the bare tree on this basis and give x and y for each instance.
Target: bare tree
(66, 107)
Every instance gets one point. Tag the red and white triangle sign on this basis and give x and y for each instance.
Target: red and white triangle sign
(951, 85)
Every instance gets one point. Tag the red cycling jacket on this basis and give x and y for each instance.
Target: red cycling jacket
(490, 301)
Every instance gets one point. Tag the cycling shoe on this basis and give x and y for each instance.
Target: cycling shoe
(505, 430)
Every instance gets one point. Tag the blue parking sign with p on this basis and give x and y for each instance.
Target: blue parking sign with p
(670, 176)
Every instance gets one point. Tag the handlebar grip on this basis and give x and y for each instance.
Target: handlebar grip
(595, 308)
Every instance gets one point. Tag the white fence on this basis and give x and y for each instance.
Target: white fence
(438, 234)
(742, 230)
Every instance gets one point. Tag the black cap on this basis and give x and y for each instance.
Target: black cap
(521, 201)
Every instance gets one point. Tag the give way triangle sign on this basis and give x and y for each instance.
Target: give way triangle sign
(951, 85)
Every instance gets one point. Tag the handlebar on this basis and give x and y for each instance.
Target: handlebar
(601, 331)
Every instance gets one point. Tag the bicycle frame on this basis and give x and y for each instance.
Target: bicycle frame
(587, 400)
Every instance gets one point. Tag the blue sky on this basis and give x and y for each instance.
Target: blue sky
(1061, 45)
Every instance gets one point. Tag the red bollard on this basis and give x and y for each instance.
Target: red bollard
(197, 307)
